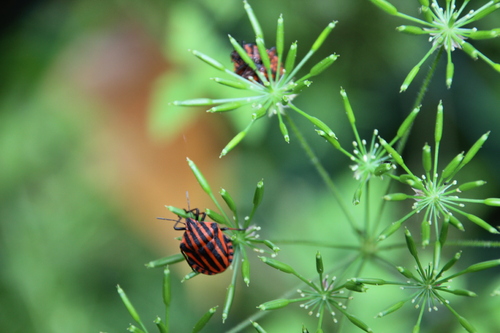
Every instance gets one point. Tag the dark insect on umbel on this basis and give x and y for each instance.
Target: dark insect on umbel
(243, 69)
(204, 245)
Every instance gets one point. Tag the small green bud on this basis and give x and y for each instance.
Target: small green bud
(177, 211)
(275, 304)
(372, 281)
(259, 193)
(204, 320)
(474, 149)
(134, 329)
(462, 292)
(284, 130)
(456, 223)
(263, 53)
(391, 229)
(189, 276)
(321, 38)
(409, 78)
(426, 232)
(356, 321)
(194, 102)
(427, 158)
(290, 58)
(470, 50)
(406, 273)
(199, 176)
(245, 271)
(323, 64)
(395, 155)
(410, 243)
(438, 132)
(347, 107)
(412, 30)
(167, 295)
(486, 11)
(128, 305)
(212, 62)
(278, 265)
(227, 106)
(465, 324)
(451, 262)
(437, 256)
(253, 20)
(443, 234)
(215, 216)
(450, 170)
(271, 245)
(229, 200)
(471, 185)
(331, 139)
(229, 302)
(492, 202)
(257, 327)
(356, 199)
(450, 69)
(485, 34)
(482, 223)
(280, 36)
(408, 122)
(355, 286)
(383, 168)
(390, 309)
(322, 126)
(427, 13)
(161, 326)
(395, 197)
(166, 261)
(482, 266)
(233, 143)
(319, 263)
(231, 83)
(385, 6)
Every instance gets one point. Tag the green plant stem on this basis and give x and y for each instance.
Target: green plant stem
(324, 175)
(420, 96)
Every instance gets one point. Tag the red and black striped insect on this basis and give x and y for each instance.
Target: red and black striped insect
(204, 245)
(243, 69)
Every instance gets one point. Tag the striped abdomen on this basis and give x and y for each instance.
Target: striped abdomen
(206, 248)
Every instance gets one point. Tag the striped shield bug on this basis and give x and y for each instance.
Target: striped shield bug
(204, 245)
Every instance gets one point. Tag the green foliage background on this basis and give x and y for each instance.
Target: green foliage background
(65, 242)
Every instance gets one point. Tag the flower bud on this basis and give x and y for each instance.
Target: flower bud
(199, 176)
(212, 62)
(273, 305)
(166, 261)
(385, 6)
(395, 197)
(408, 122)
(390, 309)
(323, 64)
(409, 78)
(278, 265)
(482, 223)
(427, 158)
(204, 320)
(290, 58)
(471, 185)
(321, 38)
(412, 30)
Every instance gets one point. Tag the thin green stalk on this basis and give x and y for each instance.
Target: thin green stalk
(324, 175)
(367, 209)
(420, 96)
